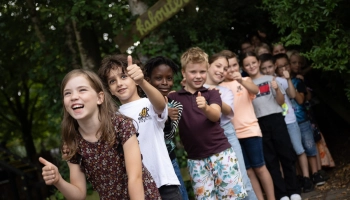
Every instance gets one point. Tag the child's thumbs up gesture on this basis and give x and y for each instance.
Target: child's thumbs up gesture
(286, 74)
(237, 77)
(134, 71)
(274, 83)
(201, 102)
(50, 173)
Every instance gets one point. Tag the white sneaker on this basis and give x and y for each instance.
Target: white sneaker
(285, 198)
(295, 197)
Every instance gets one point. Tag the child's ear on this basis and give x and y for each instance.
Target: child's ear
(147, 79)
(183, 73)
(101, 98)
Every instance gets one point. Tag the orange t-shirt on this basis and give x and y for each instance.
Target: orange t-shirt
(244, 120)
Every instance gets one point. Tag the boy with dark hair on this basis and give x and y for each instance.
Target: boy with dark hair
(278, 149)
(269, 67)
(283, 66)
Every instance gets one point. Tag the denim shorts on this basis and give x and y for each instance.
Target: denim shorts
(295, 137)
(252, 150)
(307, 138)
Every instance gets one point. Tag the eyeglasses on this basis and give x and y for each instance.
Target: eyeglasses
(283, 66)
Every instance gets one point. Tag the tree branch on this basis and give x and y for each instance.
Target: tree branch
(35, 20)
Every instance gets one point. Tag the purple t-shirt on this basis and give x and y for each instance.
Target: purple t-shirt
(200, 136)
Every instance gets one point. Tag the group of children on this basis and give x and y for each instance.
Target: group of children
(240, 133)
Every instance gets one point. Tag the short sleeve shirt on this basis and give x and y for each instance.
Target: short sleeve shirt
(290, 115)
(299, 109)
(151, 138)
(200, 136)
(226, 97)
(265, 102)
(104, 166)
(244, 120)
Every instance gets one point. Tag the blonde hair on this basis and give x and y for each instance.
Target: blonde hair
(292, 53)
(107, 111)
(194, 55)
(262, 46)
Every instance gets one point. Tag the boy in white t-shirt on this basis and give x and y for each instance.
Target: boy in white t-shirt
(123, 79)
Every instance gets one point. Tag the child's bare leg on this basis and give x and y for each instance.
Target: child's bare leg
(304, 165)
(313, 164)
(266, 181)
(255, 183)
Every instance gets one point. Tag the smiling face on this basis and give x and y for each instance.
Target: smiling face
(216, 71)
(278, 49)
(195, 75)
(122, 86)
(162, 78)
(80, 99)
(281, 65)
(251, 66)
(233, 66)
(268, 68)
(295, 63)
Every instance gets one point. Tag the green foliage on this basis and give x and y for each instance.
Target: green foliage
(319, 28)
(64, 171)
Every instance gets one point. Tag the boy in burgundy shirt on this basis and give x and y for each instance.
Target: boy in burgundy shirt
(212, 163)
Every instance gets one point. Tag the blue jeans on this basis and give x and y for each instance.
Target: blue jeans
(230, 133)
(295, 137)
(307, 137)
(178, 174)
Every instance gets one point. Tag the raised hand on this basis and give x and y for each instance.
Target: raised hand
(274, 83)
(286, 74)
(50, 173)
(173, 113)
(201, 102)
(237, 76)
(299, 76)
(134, 71)
(214, 88)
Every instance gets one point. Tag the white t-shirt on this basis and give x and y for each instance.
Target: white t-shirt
(226, 97)
(151, 138)
(290, 116)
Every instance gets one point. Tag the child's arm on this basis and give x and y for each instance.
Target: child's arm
(76, 189)
(300, 94)
(279, 96)
(248, 83)
(212, 111)
(291, 92)
(133, 165)
(299, 97)
(175, 115)
(154, 96)
(226, 109)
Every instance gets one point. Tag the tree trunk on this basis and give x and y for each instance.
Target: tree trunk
(35, 20)
(88, 46)
(138, 8)
(70, 43)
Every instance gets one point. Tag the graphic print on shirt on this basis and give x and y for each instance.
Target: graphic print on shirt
(143, 115)
(264, 89)
(239, 90)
